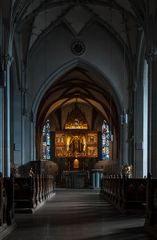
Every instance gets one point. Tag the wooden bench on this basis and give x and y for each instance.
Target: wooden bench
(9, 200)
(24, 192)
(151, 207)
(7, 221)
(6, 201)
(30, 192)
(125, 194)
(1, 201)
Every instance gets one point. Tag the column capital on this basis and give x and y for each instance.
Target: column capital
(5, 61)
(151, 56)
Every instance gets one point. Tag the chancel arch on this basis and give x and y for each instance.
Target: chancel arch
(79, 107)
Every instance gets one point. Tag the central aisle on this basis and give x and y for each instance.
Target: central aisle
(78, 215)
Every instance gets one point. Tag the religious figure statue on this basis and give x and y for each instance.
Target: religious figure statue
(75, 144)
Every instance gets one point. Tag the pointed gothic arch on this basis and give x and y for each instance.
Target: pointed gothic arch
(41, 97)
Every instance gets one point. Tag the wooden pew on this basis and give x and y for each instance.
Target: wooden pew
(134, 194)
(1, 201)
(33, 185)
(151, 207)
(7, 221)
(31, 192)
(8, 200)
(24, 193)
(126, 194)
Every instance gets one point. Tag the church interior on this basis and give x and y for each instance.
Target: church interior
(78, 117)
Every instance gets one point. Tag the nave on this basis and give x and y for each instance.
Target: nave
(78, 215)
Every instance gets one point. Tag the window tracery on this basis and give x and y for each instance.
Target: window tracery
(46, 140)
(106, 138)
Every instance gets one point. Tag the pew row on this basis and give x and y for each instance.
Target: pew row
(151, 209)
(7, 222)
(125, 194)
(31, 192)
(1, 201)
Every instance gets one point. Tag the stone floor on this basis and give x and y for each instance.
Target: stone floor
(78, 215)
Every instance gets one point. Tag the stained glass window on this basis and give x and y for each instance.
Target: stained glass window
(106, 138)
(46, 140)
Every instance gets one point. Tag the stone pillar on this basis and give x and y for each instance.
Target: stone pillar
(145, 119)
(1, 129)
(33, 145)
(138, 130)
(124, 138)
(149, 26)
(152, 114)
(7, 117)
(25, 119)
(26, 138)
(5, 63)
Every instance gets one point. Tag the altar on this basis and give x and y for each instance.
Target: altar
(76, 179)
(76, 150)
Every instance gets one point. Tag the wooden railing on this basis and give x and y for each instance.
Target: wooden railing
(124, 193)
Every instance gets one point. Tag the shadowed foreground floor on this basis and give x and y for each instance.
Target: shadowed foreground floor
(78, 215)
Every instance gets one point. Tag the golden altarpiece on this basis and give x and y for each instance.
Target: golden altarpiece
(76, 145)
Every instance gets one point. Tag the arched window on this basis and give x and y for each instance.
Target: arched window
(46, 140)
(106, 138)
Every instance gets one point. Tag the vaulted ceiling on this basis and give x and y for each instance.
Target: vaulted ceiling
(40, 17)
(79, 85)
(125, 20)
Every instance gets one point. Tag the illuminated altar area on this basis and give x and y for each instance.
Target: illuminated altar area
(75, 145)
(76, 142)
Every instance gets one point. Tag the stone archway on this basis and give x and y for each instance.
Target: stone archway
(62, 94)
